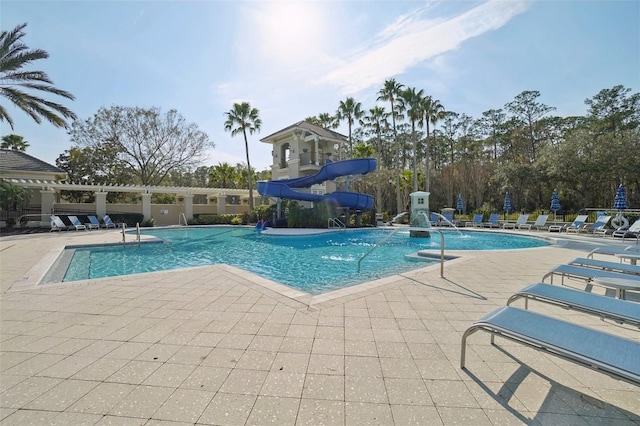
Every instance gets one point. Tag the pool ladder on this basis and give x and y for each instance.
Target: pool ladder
(124, 227)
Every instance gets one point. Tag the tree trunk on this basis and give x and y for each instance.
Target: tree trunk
(246, 148)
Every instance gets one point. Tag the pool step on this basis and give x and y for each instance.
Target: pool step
(427, 255)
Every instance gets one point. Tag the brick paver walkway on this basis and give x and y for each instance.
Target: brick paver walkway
(218, 346)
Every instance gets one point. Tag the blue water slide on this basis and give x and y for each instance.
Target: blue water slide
(330, 171)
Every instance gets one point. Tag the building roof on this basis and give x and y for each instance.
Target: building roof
(13, 160)
(309, 128)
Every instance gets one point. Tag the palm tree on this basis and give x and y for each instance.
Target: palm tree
(349, 110)
(240, 119)
(413, 102)
(377, 121)
(15, 142)
(328, 121)
(224, 174)
(391, 92)
(14, 57)
(433, 112)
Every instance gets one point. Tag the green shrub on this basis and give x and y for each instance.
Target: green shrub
(129, 218)
(163, 199)
(213, 219)
(149, 223)
(316, 217)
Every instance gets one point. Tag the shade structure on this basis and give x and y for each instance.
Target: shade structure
(620, 202)
(555, 203)
(507, 203)
(459, 205)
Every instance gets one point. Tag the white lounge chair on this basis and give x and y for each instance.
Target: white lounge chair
(522, 220)
(446, 219)
(605, 307)
(75, 222)
(611, 251)
(57, 224)
(434, 218)
(108, 223)
(541, 222)
(477, 221)
(589, 275)
(492, 222)
(598, 227)
(604, 352)
(604, 265)
(94, 223)
(577, 224)
(632, 231)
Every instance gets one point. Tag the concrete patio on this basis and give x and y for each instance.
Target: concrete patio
(218, 346)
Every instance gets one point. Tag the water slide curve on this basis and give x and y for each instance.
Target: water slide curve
(330, 171)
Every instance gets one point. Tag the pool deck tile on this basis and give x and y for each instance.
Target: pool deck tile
(218, 345)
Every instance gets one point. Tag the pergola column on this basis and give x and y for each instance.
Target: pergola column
(146, 206)
(222, 203)
(47, 197)
(101, 203)
(188, 206)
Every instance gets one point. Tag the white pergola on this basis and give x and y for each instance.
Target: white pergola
(48, 189)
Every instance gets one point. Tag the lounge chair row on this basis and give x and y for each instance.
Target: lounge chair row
(605, 352)
(477, 222)
(600, 226)
(579, 225)
(58, 224)
(521, 223)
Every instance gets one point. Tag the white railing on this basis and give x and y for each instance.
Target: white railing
(182, 216)
(334, 222)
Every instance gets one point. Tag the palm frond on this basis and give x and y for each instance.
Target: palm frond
(4, 116)
(37, 107)
(48, 89)
(13, 60)
(14, 57)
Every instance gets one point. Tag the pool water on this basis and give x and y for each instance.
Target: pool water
(311, 263)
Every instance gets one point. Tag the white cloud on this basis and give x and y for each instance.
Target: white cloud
(411, 40)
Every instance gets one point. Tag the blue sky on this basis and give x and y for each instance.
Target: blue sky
(294, 59)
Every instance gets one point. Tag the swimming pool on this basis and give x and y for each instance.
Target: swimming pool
(311, 263)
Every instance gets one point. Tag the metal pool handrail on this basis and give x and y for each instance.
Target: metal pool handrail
(396, 230)
(124, 232)
(334, 222)
(376, 245)
(441, 251)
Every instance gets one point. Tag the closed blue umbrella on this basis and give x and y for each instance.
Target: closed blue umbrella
(507, 203)
(555, 203)
(459, 205)
(620, 202)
